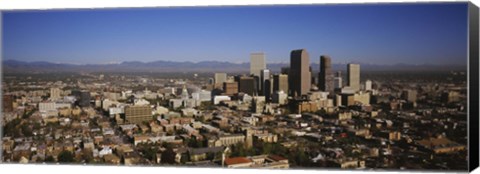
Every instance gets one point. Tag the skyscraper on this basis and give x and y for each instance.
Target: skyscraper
(353, 73)
(299, 75)
(257, 63)
(280, 83)
(264, 76)
(267, 90)
(220, 78)
(325, 77)
(247, 85)
(230, 88)
(338, 80)
(83, 98)
(410, 95)
(368, 85)
(285, 70)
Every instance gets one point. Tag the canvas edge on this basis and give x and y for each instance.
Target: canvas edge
(473, 90)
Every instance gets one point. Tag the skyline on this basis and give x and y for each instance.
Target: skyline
(379, 33)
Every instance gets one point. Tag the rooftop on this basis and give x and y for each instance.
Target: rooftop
(236, 160)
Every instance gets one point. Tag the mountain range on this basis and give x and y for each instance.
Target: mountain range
(15, 66)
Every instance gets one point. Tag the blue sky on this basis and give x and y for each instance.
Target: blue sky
(376, 34)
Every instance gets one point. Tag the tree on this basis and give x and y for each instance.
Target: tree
(49, 159)
(239, 149)
(301, 158)
(26, 130)
(37, 126)
(27, 115)
(149, 151)
(10, 129)
(267, 148)
(65, 157)
(87, 155)
(168, 156)
(193, 142)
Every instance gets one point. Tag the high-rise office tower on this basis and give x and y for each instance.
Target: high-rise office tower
(337, 81)
(410, 95)
(280, 83)
(368, 85)
(353, 73)
(257, 63)
(230, 88)
(268, 91)
(285, 70)
(264, 76)
(84, 99)
(247, 85)
(313, 77)
(325, 77)
(299, 75)
(279, 97)
(257, 84)
(220, 78)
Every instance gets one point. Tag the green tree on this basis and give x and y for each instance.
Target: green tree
(168, 156)
(301, 158)
(26, 130)
(10, 129)
(149, 151)
(193, 142)
(65, 157)
(49, 159)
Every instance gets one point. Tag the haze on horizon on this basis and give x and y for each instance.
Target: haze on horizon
(423, 33)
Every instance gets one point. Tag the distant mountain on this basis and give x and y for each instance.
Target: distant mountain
(14, 66)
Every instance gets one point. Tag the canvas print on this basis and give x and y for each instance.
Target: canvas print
(352, 86)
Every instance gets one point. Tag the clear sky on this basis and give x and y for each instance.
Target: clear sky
(377, 34)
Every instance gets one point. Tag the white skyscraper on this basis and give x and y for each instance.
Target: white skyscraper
(368, 85)
(257, 63)
(353, 73)
(220, 78)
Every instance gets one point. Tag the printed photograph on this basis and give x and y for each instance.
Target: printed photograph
(320, 86)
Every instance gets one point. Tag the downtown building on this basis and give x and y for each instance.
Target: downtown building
(83, 98)
(337, 80)
(280, 83)
(264, 77)
(247, 85)
(299, 74)
(325, 77)
(353, 76)
(138, 114)
(257, 66)
(219, 79)
(55, 93)
(257, 63)
(230, 88)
